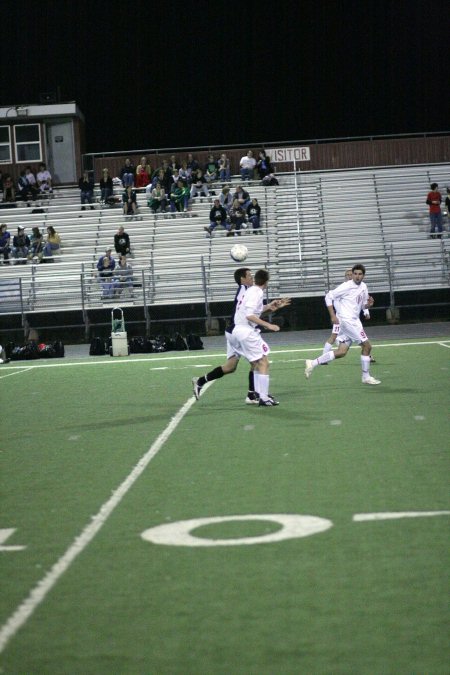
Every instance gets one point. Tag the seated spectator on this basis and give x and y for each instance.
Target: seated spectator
(86, 185)
(198, 185)
(242, 196)
(9, 192)
(124, 275)
(158, 199)
(37, 245)
(173, 179)
(247, 165)
(106, 187)
(269, 180)
(179, 197)
(173, 164)
(237, 218)
(5, 240)
(31, 178)
(254, 215)
(129, 201)
(53, 242)
(217, 216)
(164, 175)
(127, 173)
(122, 242)
(263, 165)
(21, 245)
(26, 191)
(44, 179)
(143, 173)
(106, 265)
(224, 168)
(211, 170)
(184, 173)
(192, 163)
(226, 199)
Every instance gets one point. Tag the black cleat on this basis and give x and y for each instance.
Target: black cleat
(270, 402)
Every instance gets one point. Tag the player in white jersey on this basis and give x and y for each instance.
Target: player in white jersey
(246, 339)
(352, 297)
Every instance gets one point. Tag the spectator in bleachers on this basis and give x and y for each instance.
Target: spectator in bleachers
(109, 283)
(242, 196)
(192, 163)
(106, 187)
(198, 185)
(53, 242)
(44, 179)
(224, 168)
(21, 245)
(127, 173)
(158, 199)
(36, 244)
(5, 241)
(9, 192)
(173, 164)
(86, 185)
(434, 200)
(269, 180)
(263, 165)
(124, 275)
(31, 178)
(129, 201)
(447, 203)
(179, 197)
(247, 166)
(110, 262)
(122, 242)
(226, 199)
(143, 173)
(211, 170)
(237, 218)
(26, 191)
(164, 175)
(184, 173)
(254, 215)
(217, 217)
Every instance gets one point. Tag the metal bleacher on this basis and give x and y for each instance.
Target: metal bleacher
(314, 224)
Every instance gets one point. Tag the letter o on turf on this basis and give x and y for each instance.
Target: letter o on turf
(292, 527)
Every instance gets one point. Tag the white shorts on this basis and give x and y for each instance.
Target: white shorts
(247, 342)
(351, 331)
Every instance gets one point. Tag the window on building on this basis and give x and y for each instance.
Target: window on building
(28, 142)
(5, 144)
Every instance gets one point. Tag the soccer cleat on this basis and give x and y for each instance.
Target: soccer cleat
(370, 380)
(308, 368)
(274, 400)
(252, 398)
(196, 387)
(372, 360)
(270, 402)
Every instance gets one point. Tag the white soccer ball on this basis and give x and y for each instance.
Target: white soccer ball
(239, 252)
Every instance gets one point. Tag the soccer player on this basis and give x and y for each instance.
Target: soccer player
(352, 297)
(335, 329)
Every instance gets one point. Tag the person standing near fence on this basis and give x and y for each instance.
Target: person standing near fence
(434, 200)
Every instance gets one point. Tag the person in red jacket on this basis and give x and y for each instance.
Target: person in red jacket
(434, 200)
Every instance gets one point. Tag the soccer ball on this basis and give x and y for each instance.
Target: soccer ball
(239, 252)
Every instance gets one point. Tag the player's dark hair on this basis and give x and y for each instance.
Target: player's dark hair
(433, 186)
(359, 266)
(239, 273)
(261, 277)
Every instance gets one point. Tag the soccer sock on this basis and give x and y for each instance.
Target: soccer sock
(365, 363)
(262, 386)
(251, 382)
(327, 348)
(325, 358)
(209, 377)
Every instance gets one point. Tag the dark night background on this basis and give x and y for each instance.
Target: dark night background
(217, 73)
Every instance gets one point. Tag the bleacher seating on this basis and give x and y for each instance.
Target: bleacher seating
(314, 224)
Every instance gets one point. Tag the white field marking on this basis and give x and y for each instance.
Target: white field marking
(16, 372)
(23, 612)
(335, 423)
(5, 533)
(362, 517)
(160, 368)
(442, 344)
(112, 361)
(419, 417)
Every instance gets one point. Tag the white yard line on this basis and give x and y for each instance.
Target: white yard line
(209, 355)
(45, 585)
(364, 517)
(16, 372)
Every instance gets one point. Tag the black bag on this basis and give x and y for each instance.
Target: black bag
(30, 351)
(37, 211)
(137, 345)
(158, 344)
(97, 347)
(58, 346)
(180, 343)
(194, 341)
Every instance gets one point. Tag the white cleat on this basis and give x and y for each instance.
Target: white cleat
(370, 380)
(308, 368)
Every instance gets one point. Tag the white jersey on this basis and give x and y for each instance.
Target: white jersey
(250, 302)
(349, 299)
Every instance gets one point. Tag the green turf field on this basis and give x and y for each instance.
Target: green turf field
(96, 452)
